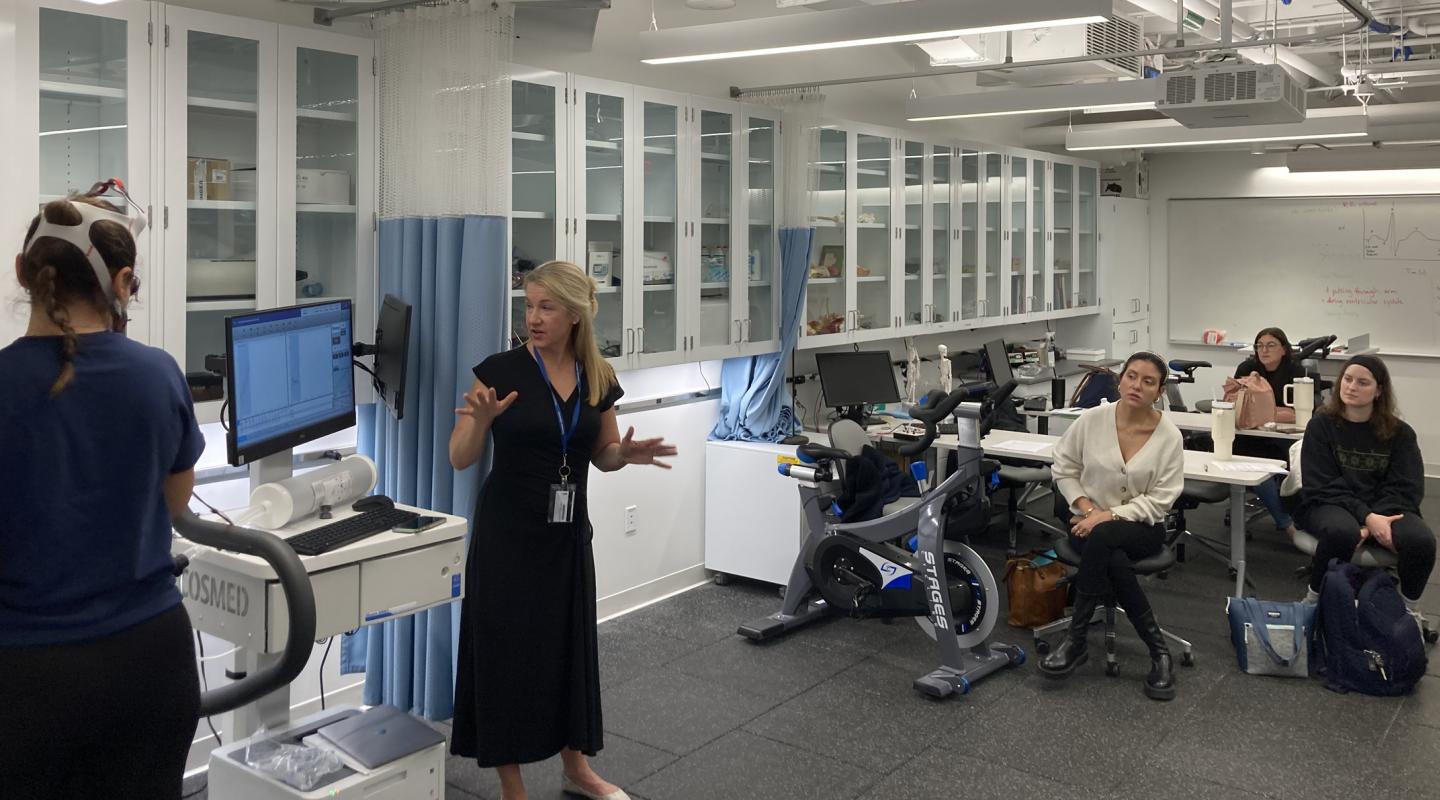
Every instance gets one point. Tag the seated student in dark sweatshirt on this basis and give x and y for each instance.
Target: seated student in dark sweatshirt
(1363, 478)
(1274, 360)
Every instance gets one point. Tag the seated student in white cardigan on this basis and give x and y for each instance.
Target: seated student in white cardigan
(1119, 466)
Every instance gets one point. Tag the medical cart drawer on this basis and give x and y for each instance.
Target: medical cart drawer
(411, 581)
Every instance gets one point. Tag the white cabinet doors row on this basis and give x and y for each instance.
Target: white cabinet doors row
(666, 200)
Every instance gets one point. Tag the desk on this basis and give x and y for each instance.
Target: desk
(1195, 469)
(1184, 420)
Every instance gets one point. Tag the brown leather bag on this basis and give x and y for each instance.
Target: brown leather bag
(1037, 593)
(1254, 401)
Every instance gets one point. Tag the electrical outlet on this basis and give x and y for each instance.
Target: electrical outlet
(630, 519)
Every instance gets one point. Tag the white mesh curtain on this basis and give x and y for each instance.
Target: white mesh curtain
(445, 110)
(801, 111)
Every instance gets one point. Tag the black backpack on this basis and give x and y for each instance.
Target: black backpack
(1368, 642)
(1097, 385)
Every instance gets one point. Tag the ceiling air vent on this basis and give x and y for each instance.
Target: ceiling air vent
(1115, 36)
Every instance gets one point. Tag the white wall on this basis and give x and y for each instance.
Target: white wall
(1238, 174)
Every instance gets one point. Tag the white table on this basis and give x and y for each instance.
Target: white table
(1184, 420)
(1003, 443)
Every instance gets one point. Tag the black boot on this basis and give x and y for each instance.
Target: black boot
(1072, 652)
(1160, 683)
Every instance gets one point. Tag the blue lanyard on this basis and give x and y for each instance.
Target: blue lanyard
(565, 433)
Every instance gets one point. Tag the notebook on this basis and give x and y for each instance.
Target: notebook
(381, 735)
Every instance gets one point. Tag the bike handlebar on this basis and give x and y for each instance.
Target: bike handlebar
(934, 414)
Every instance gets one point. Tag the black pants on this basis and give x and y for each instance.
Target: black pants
(112, 718)
(1107, 559)
(1337, 534)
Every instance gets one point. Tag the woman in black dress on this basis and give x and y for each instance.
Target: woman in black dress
(527, 684)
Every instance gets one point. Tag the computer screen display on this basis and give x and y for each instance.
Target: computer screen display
(997, 362)
(290, 379)
(392, 351)
(857, 378)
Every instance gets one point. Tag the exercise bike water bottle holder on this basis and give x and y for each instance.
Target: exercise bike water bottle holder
(858, 569)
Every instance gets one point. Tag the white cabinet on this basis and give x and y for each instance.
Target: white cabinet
(657, 196)
(754, 525)
(1125, 257)
(1129, 337)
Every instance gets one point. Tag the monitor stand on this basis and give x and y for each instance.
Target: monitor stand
(856, 413)
(272, 468)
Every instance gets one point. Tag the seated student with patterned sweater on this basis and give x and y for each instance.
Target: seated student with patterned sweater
(1364, 479)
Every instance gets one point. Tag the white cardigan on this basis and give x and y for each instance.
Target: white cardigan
(1088, 464)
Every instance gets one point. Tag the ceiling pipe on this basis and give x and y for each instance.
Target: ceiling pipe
(1361, 15)
(1423, 26)
(1284, 55)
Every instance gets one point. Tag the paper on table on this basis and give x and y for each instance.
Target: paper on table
(1027, 445)
(1244, 466)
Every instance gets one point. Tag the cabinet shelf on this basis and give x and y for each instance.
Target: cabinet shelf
(531, 215)
(659, 287)
(324, 116)
(322, 208)
(220, 305)
(713, 285)
(825, 281)
(871, 279)
(715, 221)
(660, 220)
(69, 89)
(221, 205)
(227, 107)
(655, 149)
(714, 157)
(596, 144)
(872, 224)
(523, 136)
(602, 217)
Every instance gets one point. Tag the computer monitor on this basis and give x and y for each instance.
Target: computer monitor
(997, 362)
(288, 375)
(853, 380)
(392, 351)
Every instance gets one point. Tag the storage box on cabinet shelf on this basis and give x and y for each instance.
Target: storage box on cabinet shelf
(207, 179)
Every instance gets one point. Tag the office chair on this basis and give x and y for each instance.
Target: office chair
(1192, 496)
(1157, 565)
(846, 434)
(1025, 481)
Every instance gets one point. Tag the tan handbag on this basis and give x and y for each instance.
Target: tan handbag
(1254, 401)
(1036, 593)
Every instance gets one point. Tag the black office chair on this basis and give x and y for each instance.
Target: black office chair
(1024, 480)
(1157, 565)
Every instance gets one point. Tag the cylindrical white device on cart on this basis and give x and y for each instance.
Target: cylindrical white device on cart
(282, 502)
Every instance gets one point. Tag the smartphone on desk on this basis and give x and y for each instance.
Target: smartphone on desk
(418, 524)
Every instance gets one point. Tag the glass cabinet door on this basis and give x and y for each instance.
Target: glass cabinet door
(942, 235)
(1017, 234)
(992, 302)
(1086, 285)
(220, 173)
(658, 330)
(763, 263)
(1063, 239)
(537, 216)
(874, 235)
(1039, 238)
(826, 310)
(971, 231)
(912, 176)
(600, 185)
(721, 321)
(327, 104)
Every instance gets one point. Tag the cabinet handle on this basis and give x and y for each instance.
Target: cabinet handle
(737, 330)
(640, 338)
(629, 340)
(567, 226)
(747, 330)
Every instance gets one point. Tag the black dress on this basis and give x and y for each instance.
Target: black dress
(527, 681)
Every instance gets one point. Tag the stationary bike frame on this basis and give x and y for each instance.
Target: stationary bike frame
(964, 658)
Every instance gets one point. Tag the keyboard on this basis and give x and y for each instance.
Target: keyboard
(348, 531)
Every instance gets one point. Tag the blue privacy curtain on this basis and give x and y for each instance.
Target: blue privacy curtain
(444, 142)
(754, 403)
(454, 273)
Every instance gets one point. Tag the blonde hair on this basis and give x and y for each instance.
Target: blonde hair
(575, 292)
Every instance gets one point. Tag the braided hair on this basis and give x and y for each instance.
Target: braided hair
(57, 275)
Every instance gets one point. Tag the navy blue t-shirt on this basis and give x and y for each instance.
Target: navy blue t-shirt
(84, 529)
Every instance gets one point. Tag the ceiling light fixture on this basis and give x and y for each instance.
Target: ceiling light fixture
(1361, 159)
(913, 21)
(1177, 135)
(1044, 99)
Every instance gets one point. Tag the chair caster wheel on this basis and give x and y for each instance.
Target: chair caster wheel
(1187, 659)
(1042, 647)
(1112, 669)
(721, 579)
(1432, 636)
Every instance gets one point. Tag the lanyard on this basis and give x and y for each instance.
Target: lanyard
(565, 433)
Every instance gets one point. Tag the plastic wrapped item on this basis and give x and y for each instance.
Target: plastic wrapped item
(299, 766)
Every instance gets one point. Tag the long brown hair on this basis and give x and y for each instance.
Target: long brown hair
(56, 274)
(1384, 416)
(575, 292)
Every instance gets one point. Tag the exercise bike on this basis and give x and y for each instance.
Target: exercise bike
(865, 569)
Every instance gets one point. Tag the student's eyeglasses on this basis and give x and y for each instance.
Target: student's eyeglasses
(1268, 346)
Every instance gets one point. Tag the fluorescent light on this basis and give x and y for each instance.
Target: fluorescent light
(1361, 159)
(99, 2)
(913, 21)
(1176, 135)
(1040, 100)
(83, 130)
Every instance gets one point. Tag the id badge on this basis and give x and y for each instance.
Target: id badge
(562, 503)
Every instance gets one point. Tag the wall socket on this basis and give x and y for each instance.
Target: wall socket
(631, 525)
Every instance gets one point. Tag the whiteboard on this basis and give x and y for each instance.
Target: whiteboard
(1310, 265)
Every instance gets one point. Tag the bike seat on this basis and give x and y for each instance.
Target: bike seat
(1187, 367)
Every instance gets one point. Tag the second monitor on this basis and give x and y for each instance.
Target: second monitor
(853, 380)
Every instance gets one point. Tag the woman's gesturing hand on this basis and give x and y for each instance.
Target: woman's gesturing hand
(644, 451)
(481, 405)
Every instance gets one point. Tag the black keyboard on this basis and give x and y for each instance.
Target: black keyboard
(347, 531)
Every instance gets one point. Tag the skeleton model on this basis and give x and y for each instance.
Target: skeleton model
(945, 378)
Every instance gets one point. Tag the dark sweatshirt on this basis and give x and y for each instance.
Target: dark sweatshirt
(1285, 373)
(1345, 464)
